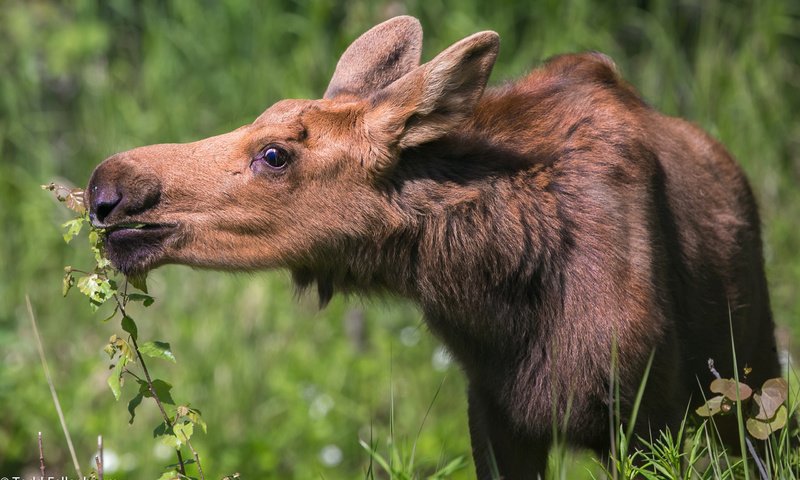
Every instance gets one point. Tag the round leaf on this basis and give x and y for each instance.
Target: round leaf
(712, 407)
(727, 387)
(761, 429)
(773, 393)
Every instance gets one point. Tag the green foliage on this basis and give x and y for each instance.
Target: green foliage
(99, 285)
(278, 380)
(157, 350)
(404, 469)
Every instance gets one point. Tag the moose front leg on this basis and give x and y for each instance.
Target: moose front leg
(498, 450)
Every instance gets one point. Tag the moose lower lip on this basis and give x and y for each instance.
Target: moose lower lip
(135, 248)
(138, 231)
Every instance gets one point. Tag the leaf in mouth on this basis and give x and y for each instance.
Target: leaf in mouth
(138, 281)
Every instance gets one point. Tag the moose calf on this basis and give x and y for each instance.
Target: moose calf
(544, 227)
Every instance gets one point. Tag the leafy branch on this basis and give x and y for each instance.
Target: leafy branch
(100, 285)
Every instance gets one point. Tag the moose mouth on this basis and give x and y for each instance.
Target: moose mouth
(134, 248)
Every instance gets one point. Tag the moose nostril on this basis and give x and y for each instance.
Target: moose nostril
(104, 200)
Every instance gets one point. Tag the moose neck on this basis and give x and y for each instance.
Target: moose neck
(473, 252)
(483, 256)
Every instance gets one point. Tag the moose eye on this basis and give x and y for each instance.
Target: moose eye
(273, 157)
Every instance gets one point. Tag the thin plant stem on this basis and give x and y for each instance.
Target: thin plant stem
(98, 459)
(149, 381)
(196, 457)
(53, 393)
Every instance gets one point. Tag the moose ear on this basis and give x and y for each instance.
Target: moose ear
(377, 58)
(435, 98)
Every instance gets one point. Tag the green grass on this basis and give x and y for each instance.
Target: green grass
(279, 382)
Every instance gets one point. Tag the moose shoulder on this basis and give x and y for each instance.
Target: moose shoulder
(543, 227)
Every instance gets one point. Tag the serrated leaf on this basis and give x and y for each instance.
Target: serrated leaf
(183, 431)
(157, 350)
(72, 197)
(101, 261)
(727, 387)
(94, 306)
(115, 379)
(712, 407)
(146, 300)
(129, 326)
(139, 282)
(170, 475)
(132, 405)
(161, 429)
(762, 429)
(97, 287)
(74, 201)
(773, 394)
(73, 228)
(162, 389)
(195, 417)
(171, 441)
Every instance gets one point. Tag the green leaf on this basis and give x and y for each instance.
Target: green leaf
(712, 407)
(727, 387)
(762, 429)
(174, 437)
(115, 380)
(130, 327)
(161, 429)
(157, 350)
(171, 441)
(458, 463)
(183, 431)
(195, 417)
(170, 475)
(73, 228)
(146, 300)
(773, 393)
(139, 282)
(118, 344)
(97, 287)
(67, 283)
(162, 389)
(133, 404)
(102, 262)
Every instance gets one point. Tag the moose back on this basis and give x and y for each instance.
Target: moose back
(544, 227)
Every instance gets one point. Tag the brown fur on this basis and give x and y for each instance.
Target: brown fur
(536, 224)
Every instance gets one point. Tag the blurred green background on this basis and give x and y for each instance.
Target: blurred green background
(288, 390)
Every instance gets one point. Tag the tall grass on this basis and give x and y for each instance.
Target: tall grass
(279, 382)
